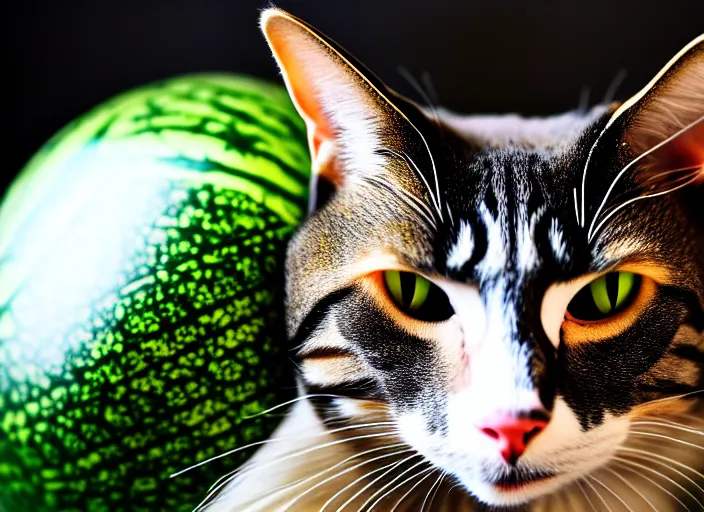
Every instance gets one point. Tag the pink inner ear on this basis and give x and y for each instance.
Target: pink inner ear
(692, 147)
(679, 161)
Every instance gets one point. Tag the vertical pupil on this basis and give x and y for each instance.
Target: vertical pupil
(408, 287)
(611, 291)
(600, 294)
(409, 290)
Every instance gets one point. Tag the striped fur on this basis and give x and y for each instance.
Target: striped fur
(510, 217)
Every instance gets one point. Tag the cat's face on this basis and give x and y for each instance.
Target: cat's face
(514, 294)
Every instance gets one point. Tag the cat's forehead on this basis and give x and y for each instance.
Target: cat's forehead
(554, 133)
(499, 238)
(510, 198)
(510, 162)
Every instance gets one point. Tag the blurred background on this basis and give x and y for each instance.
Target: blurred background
(534, 58)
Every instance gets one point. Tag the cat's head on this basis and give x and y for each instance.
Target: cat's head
(514, 294)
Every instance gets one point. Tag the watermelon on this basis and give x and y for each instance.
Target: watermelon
(141, 255)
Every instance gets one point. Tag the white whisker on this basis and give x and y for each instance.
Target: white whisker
(640, 198)
(401, 484)
(339, 474)
(672, 182)
(298, 399)
(669, 438)
(281, 439)
(651, 481)
(427, 81)
(564, 499)
(248, 470)
(584, 99)
(370, 484)
(416, 204)
(425, 142)
(642, 466)
(672, 422)
(435, 171)
(449, 213)
(437, 484)
(410, 491)
(281, 488)
(412, 165)
(611, 491)
(598, 495)
(613, 87)
(672, 171)
(675, 397)
(649, 457)
(389, 484)
(626, 168)
(586, 167)
(579, 484)
(633, 487)
(669, 425)
(556, 501)
(331, 468)
(661, 457)
(359, 479)
(414, 83)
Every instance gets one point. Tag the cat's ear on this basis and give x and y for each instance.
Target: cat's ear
(659, 139)
(350, 117)
(664, 123)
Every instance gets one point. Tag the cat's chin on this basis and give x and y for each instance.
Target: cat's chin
(511, 492)
(521, 486)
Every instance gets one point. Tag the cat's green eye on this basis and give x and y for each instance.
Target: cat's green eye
(416, 296)
(605, 297)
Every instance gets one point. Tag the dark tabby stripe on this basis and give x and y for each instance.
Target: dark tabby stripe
(668, 387)
(362, 389)
(690, 353)
(316, 315)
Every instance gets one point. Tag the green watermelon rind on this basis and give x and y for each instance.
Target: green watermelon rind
(46, 168)
(229, 323)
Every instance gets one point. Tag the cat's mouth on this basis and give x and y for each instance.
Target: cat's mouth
(517, 478)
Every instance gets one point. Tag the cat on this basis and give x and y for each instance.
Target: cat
(489, 311)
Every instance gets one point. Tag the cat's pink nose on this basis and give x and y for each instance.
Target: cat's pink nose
(512, 435)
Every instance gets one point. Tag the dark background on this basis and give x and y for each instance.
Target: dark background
(64, 57)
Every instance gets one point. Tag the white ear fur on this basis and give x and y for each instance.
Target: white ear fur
(343, 112)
